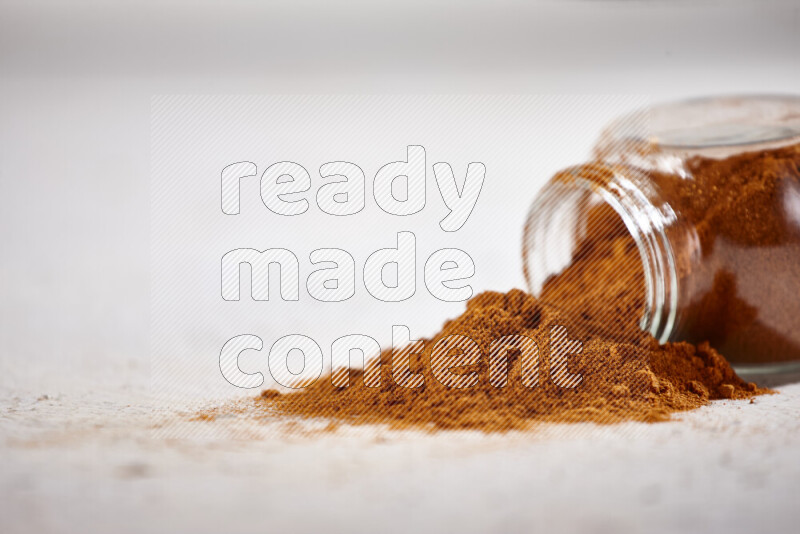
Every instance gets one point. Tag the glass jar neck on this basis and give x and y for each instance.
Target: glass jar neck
(649, 221)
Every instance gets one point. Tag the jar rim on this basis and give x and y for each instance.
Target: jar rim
(645, 223)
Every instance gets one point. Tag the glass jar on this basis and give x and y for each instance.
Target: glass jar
(690, 211)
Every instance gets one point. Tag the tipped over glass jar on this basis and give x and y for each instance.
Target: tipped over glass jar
(686, 225)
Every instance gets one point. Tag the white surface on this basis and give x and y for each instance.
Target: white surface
(80, 462)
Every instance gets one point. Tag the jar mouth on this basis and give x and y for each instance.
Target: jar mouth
(554, 221)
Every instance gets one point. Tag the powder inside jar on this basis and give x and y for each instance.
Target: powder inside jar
(734, 236)
(741, 295)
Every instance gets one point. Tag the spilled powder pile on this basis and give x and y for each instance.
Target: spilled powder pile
(637, 381)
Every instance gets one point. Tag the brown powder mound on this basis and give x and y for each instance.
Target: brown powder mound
(638, 381)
